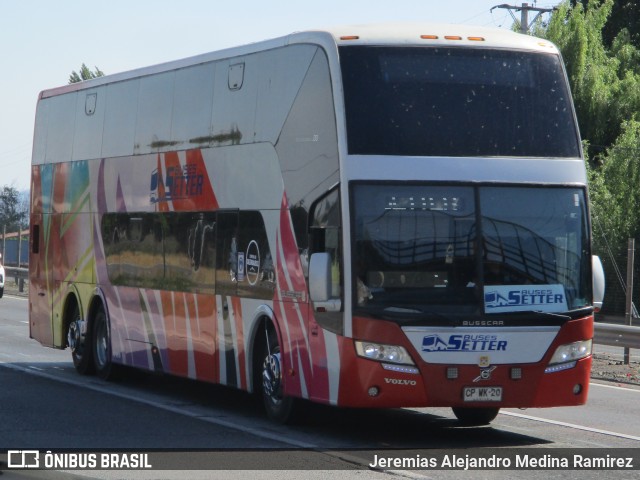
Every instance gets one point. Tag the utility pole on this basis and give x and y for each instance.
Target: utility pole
(524, 14)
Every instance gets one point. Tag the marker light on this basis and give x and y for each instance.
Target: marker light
(429, 37)
(393, 367)
(383, 353)
(566, 355)
(452, 37)
(349, 37)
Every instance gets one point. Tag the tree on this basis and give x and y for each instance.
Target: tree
(12, 215)
(620, 173)
(84, 74)
(625, 15)
(594, 73)
(600, 49)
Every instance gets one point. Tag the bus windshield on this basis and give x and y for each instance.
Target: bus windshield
(456, 102)
(469, 249)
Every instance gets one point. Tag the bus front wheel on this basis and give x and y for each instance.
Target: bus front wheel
(278, 406)
(475, 416)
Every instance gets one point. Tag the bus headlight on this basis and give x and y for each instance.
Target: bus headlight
(566, 355)
(383, 353)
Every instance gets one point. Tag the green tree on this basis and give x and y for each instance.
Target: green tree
(12, 214)
(85, 74)
(593, 73)
(625, 15)
(603, 64)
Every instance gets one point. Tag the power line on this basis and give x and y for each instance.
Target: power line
(524, 10)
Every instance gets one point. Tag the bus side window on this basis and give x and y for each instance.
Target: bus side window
(325, 235)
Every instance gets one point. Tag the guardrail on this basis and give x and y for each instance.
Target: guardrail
(16, 272)
(616, 335)
(20, 274)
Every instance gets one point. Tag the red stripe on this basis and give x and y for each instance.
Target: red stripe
(175, 328)
(204, 344)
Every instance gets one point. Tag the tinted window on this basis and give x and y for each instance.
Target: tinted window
(425, 101)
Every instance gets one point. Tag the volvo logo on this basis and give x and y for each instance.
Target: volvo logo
(485, 374)
(398, 381)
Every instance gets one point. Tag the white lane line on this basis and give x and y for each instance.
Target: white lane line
(571, 425)
(16, 297)
(615, 387)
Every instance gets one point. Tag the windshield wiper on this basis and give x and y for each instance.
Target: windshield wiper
(408, 313)
(402, 310)
(560, 316)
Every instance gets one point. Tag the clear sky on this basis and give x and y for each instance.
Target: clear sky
(43, 41)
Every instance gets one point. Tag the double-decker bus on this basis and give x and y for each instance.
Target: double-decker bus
(372, 216)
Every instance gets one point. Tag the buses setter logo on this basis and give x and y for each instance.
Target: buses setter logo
(522, 298)
(463, 343)
(183, 181)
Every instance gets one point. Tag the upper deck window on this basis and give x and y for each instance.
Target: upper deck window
(427, 101)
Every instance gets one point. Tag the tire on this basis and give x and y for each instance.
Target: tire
(78, 342)
(475, 416)
(101, 345)
(278, 406)
(1, 291)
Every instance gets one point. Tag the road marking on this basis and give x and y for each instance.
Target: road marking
(615, 387)
(16, 297)
(571, 425)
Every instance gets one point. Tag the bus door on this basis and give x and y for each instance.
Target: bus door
(40, 284)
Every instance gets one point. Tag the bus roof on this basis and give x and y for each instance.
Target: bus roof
(410, 34)
(436, 34)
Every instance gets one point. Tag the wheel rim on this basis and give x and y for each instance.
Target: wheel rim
(272, 377)
(102, 341)
(75, 337)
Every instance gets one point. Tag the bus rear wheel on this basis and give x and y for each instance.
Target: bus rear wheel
(278, 406)
(102, 345)
(470, 416)
(78, 341)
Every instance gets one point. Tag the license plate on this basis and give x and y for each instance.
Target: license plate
(482, 394)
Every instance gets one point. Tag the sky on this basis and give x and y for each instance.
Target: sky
(43, 41)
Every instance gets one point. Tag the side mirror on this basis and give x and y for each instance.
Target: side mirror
(598, 282)
(320, 277)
